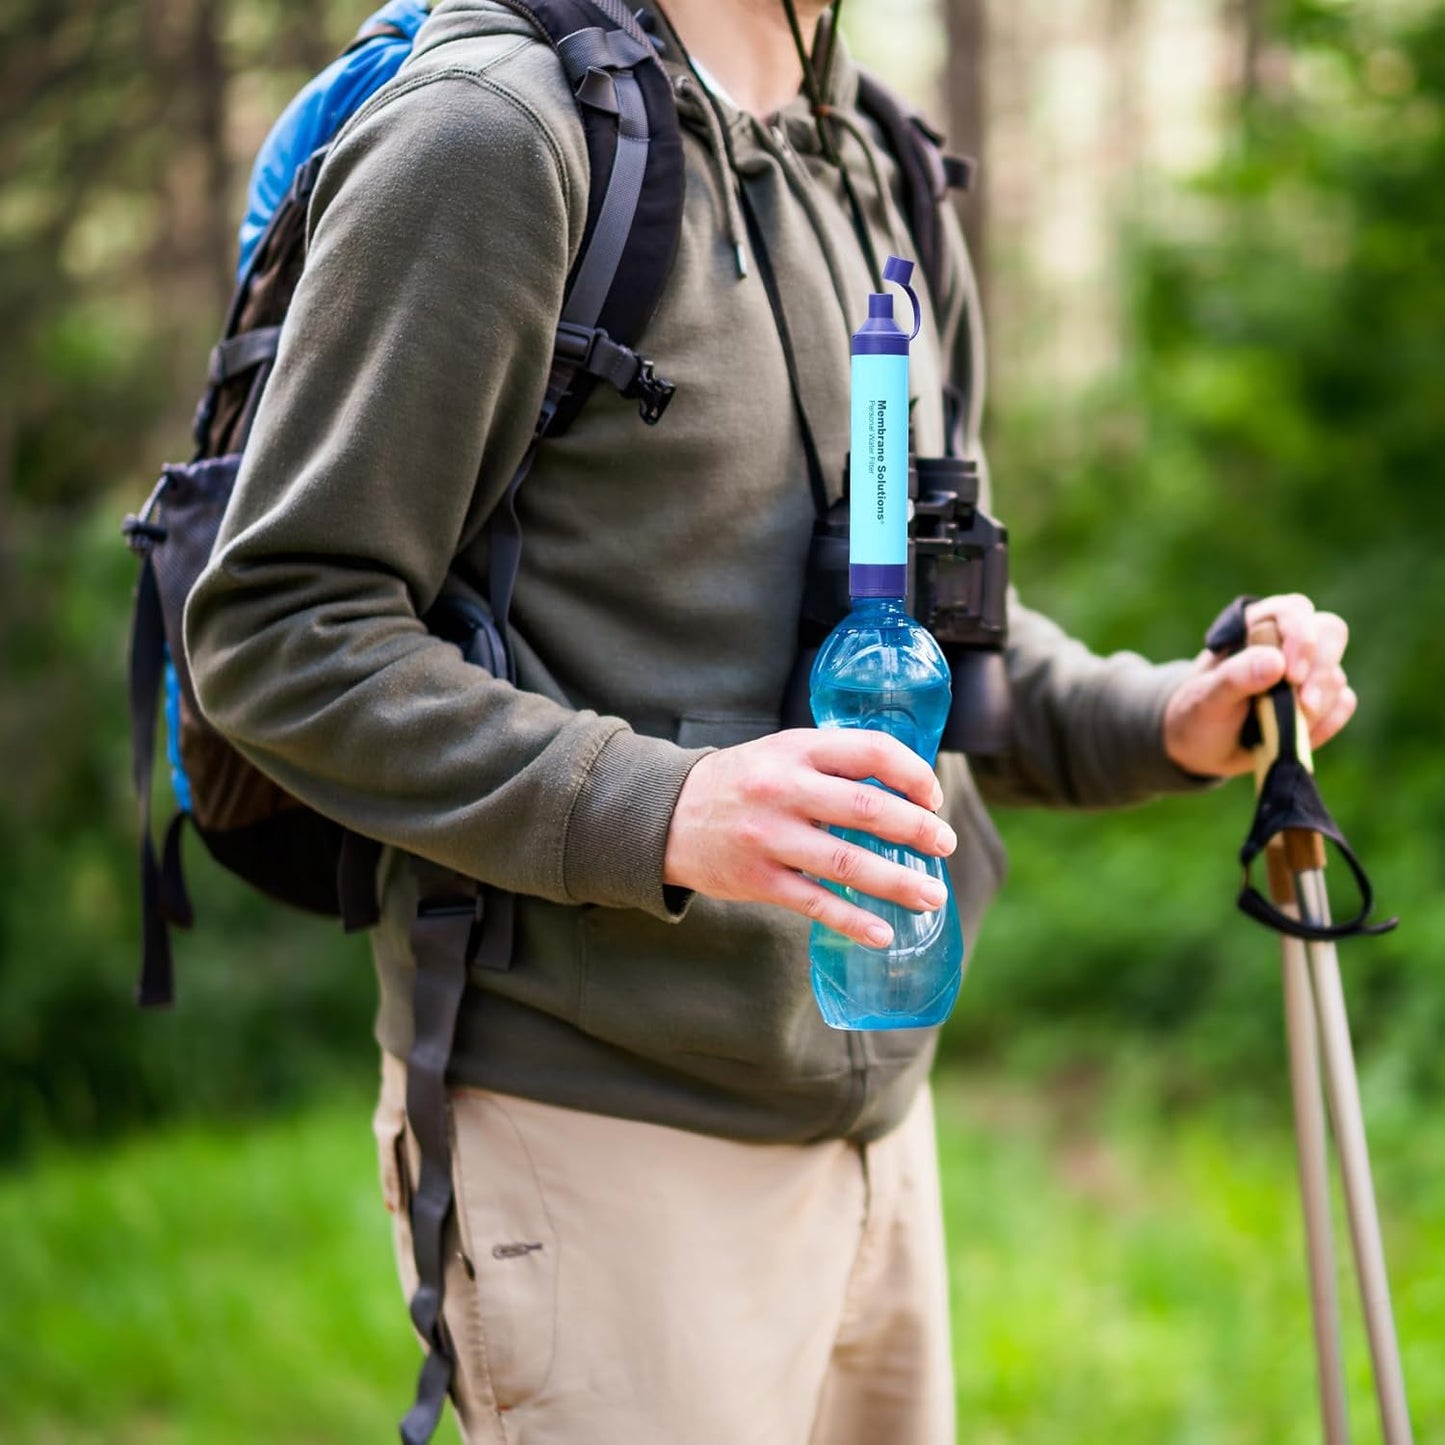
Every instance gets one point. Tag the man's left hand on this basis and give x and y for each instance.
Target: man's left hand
(1203, 718)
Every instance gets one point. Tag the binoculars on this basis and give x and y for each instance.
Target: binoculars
(957, 589)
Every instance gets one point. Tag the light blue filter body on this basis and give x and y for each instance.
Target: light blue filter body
(878, 480)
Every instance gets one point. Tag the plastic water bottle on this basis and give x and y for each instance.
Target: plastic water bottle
(879, 669)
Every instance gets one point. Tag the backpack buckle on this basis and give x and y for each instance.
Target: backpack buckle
(140, 535)
(652, 392)
(139, 531)
(592, 350)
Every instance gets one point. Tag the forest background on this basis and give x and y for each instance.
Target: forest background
(1213, 244)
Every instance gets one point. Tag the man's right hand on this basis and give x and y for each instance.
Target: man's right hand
(750, 825)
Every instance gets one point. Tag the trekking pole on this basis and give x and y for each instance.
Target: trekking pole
(1309, 1122)
(1290, 828)
(1349, 1128)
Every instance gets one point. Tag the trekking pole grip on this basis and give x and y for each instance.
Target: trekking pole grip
(1297, 849)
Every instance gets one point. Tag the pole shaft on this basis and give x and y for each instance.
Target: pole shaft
(1302, 1031)
(1343, 1087)
(1314, 1176)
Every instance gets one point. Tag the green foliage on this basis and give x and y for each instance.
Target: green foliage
(271, 1004)
(1276, 427)
(115, 249)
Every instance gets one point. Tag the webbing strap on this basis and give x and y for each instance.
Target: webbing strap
(162, 886)
(614, 222)
(599, 49)
(356, 866)
(175, 900)
(626, 19)
(1289, 798)
(492, 950)
(504, 538)
(441, 946)
(307, 174)
(238, 354)
(589, 288)
(916, 147)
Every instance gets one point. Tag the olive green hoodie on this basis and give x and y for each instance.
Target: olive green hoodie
(657, 603)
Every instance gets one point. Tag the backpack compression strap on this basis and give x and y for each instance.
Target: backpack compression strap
(164, 901)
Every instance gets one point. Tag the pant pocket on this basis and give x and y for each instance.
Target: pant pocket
(508, 1237)
(388, 1124)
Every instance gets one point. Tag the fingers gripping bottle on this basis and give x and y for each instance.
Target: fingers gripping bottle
(879, 669)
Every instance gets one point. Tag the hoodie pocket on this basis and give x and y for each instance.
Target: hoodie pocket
(723, 730)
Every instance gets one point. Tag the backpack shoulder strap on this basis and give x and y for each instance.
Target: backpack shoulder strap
(928, 172)
(382, 30)
(634, 205)
(634, 217)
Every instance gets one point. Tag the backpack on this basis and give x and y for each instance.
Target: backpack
(251, 826)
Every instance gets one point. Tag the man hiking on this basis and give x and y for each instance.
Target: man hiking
(673, 1206)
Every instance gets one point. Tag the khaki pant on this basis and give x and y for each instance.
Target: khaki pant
(617, 1283)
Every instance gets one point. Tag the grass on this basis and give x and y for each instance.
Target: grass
(202, 1288)
(1120, 1273)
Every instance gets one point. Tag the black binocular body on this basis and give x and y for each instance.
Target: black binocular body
(957, 589)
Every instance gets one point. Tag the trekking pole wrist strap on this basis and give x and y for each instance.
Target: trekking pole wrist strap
(1288, 798)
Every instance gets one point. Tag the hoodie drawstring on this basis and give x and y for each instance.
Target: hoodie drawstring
(870, 155)
(719, 149)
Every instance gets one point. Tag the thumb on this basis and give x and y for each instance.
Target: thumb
(1245, 675)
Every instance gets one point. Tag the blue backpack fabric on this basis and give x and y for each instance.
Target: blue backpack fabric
(318, 112)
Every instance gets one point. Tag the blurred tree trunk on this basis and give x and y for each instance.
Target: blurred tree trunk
(8, 440)
(1126, 120)
(967, 101)
(209, 78)
(1126, 128)
(1251, 19)
(309, 41)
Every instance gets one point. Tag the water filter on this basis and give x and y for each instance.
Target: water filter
(879, 669)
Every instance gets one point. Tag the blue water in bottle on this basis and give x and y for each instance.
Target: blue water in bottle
(879, 669)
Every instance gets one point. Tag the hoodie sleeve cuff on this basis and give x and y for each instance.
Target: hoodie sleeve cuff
(1144, 760)
(616, 836)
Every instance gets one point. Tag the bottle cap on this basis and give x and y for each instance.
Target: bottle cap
(900, 273)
